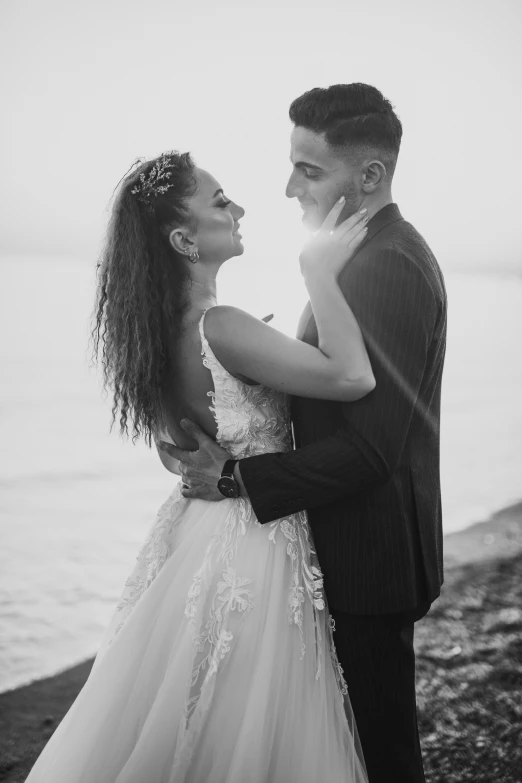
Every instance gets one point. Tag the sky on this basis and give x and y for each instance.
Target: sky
(90, 86)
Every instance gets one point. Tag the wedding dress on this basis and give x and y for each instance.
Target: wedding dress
(219, 664)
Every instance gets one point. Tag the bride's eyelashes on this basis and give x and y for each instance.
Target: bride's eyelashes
(224, 203)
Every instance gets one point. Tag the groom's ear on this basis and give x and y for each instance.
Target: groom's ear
(373, 175)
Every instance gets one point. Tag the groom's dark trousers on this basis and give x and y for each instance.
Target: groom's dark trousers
(368, 474)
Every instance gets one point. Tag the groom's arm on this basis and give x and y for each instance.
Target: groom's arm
(397, 311)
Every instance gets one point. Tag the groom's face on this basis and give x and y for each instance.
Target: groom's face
(319, 178)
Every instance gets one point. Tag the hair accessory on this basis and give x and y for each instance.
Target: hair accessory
(193, 256)
(155, 182)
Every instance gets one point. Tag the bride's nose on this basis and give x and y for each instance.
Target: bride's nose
(238, 212)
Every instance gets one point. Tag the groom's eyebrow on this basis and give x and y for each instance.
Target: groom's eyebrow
(302, 164)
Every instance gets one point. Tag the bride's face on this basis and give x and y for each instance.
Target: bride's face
(217, 220)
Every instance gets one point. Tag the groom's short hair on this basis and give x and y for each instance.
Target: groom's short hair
(351, 116)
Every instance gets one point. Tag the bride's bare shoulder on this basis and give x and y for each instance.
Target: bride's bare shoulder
(224, 313)
(234, 335)
(226, 322)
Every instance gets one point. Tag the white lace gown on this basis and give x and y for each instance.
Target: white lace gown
(219, 665)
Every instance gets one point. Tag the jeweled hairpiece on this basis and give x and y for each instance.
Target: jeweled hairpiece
(155, 183)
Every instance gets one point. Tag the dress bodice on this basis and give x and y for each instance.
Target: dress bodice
(250, 420)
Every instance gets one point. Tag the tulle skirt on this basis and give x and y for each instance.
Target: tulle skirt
(218, 666)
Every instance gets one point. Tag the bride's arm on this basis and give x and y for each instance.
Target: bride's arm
(339, 369)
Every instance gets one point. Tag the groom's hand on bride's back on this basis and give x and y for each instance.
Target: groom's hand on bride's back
(200, 470)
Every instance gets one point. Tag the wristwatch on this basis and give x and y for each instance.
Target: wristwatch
(227, 484)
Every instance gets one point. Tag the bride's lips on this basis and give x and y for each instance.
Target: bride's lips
(237, 234)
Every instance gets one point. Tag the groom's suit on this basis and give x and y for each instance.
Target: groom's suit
(368, 474)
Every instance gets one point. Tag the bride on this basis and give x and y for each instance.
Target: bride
(219, 664)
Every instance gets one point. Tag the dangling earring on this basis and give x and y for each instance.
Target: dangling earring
(193, 256)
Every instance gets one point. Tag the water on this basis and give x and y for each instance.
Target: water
(76, 502)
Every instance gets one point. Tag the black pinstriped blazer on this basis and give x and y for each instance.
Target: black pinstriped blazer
(368, 471)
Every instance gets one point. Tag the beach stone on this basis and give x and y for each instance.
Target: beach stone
(505, 617)
(475, 671)
(510, 616)
(454, 614)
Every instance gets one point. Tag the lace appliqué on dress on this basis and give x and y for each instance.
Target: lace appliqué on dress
(151, 557)
(255, 420)
(250, 420)
(231, 593)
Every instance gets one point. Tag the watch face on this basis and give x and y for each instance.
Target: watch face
(228, 487)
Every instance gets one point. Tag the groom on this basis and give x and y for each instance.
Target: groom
(366, 471)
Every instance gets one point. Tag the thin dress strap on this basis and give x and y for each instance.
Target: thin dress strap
(206, 350)
(220, 377)
(209, 358)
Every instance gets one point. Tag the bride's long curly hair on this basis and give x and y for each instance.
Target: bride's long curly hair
(142, 293)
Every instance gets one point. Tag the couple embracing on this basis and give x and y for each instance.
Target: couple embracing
(265, 634)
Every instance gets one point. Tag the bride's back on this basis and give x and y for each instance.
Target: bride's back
(188, 391)
(245, 417)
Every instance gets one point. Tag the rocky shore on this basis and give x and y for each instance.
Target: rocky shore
(469, 658)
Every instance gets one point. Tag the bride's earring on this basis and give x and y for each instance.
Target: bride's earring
(193, 256)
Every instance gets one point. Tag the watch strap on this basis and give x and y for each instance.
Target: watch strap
(228, 468)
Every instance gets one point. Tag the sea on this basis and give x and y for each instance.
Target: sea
(76, 501)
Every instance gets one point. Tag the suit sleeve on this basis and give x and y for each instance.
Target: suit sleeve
(396, 310)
